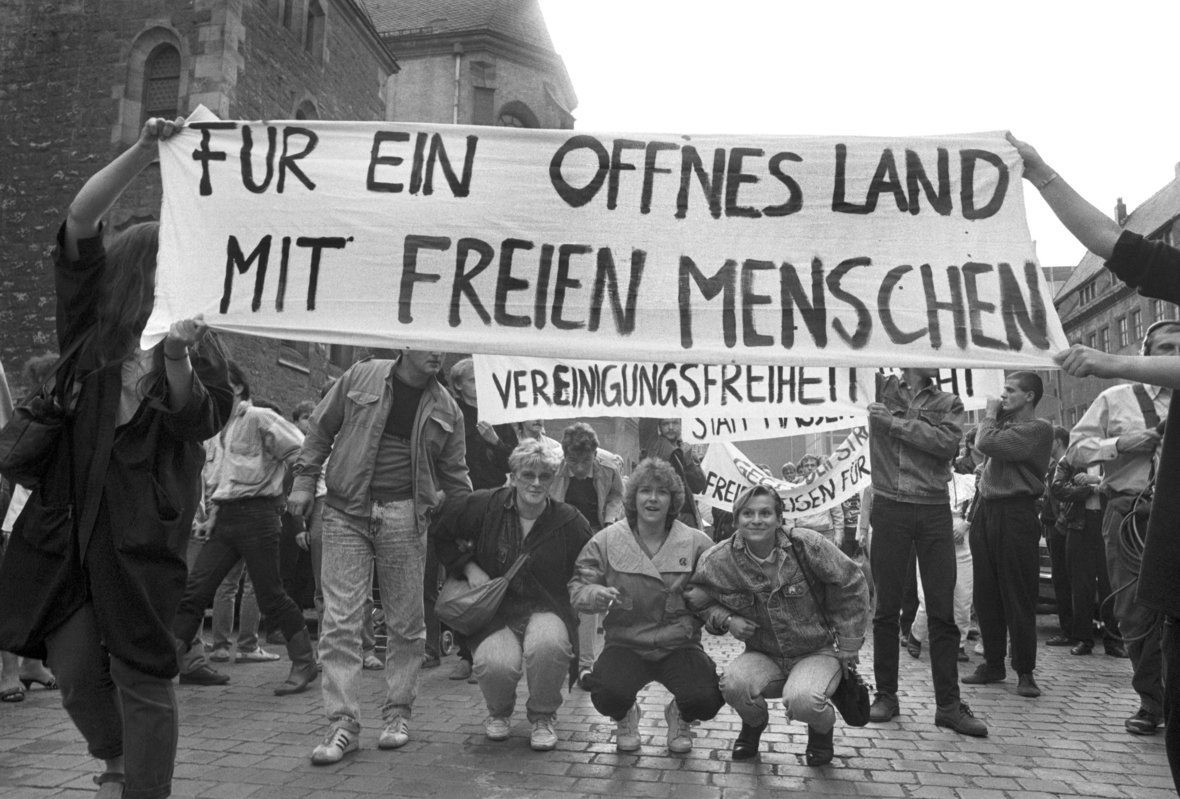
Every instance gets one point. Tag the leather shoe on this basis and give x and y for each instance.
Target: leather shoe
(986, 673)
(913, 646)
(1061, 640)
(1027, 686)
(958, 717)
(204, 675)
(820, 748)
(1082, 648)
(746, 745)
(1115, 649)
(884, 707)
(1143, 723)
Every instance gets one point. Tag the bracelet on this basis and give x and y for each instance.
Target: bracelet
(1041, 186)
(180, 358)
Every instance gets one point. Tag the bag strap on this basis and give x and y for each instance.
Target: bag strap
(797, 548)
(64, 358)
(1146, 406)
(524, 556)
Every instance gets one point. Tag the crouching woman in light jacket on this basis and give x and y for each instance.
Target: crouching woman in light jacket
(800, 605)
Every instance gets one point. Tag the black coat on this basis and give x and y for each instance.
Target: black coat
(119, 544)
(469, 528)
(1153, 267)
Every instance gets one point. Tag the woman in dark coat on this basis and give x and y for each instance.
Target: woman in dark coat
(95, 568)
(534, 631)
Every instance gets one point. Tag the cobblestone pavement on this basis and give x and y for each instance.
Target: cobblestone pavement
(241, 741)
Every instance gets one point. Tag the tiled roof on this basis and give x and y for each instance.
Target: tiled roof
(517, 19)
(1146, 219)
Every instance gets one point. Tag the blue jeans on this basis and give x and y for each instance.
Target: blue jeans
(544, 656)
(223, 611)
(392, 538)
(805, 684)
(119, 710)
(249, 530)
(315, 547)
(900, 528)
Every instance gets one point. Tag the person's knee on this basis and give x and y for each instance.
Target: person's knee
(700, 704)
(806, 704)
(498, 669)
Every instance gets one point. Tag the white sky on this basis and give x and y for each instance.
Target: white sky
(1092, 85)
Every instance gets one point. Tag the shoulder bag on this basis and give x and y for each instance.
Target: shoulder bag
(28, 443)
(852, 694)
(467, 609)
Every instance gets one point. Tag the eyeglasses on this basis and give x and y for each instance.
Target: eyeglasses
(530, 477)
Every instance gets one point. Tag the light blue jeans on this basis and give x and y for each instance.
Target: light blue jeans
(223, 611)
(392, 538)
(543, 658)
(805, 684)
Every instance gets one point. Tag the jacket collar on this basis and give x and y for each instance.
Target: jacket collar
(627, 556)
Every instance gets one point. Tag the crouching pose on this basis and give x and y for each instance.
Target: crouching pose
(801, 607)
(636, 571)
(534, 630)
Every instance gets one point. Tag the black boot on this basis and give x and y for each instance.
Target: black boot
(746, 745)
(303, 665)
(820, 748)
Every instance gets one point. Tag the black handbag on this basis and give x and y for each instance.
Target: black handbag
(851, 698)
(28, 443)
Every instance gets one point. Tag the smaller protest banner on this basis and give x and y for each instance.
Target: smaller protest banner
(516, 389)
(728, 472)
(698, 430)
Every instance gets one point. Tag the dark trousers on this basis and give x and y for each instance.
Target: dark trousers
(1004, 538)
(1086, 555)
(1056, 543)
(689, 674)
(899, 529)
(1171, 706)
(910, 601)
(118, 709)
(246, 529)
(1139, 625)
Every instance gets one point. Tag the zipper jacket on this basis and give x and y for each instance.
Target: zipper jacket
(348, 424)
(786, 609)
(658, 621)
(608, 487)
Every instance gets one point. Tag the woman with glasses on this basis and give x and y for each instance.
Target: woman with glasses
(534, 631)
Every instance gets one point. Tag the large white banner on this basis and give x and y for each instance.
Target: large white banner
(824, 251)
(514, 389)
(729, 472)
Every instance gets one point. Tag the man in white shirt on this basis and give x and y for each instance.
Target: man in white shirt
(1122, 431)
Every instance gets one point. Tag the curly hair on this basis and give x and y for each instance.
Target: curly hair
(660, 474)
(579, 439)
(532, 452)
(304, 408)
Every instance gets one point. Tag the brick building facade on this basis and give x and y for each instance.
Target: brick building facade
(79, 78)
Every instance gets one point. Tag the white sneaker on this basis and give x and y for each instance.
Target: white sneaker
(679, 731)
(544, 737)
(395, 735)
(497, 729)
(627, 730)
(336, 744)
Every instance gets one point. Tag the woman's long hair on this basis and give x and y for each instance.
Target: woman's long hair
(128, 292)
(126, 302)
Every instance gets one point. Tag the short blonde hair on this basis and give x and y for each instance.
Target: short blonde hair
(532, 452)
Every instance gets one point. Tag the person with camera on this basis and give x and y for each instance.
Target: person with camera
(1122, 431)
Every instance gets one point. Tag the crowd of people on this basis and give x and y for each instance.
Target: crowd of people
(392, 479)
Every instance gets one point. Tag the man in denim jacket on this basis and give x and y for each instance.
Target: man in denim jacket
(397, 443)
(914, 431)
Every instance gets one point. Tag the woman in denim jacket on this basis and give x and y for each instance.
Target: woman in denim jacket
(754, 587)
